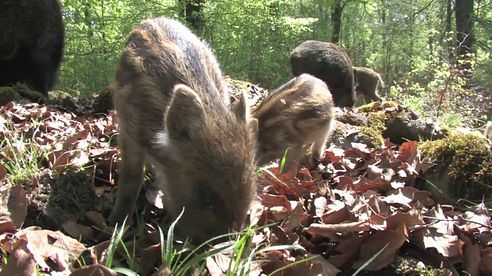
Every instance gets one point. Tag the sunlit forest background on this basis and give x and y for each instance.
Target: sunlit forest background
(434, 55)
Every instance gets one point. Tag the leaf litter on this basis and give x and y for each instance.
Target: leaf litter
(360, 207)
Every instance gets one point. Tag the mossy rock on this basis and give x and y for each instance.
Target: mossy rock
(463, 167)
(20, 93)
(389, 120)
(103, 101)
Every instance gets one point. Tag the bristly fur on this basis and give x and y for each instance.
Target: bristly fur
(31, 43)
(297, 116)
(369, 83)
(174, 108)
(330, 63)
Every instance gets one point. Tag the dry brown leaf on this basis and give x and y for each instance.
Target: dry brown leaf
(390, 240)
(364, 184)
(270, 200)
(412, 219)
(3, 171)
(347, 250)
(337, 212)
(17, 205)
(77, 231)
(55, 246)
(316, 266)
(297, 217)
(218, 264)
(447, 245)
(408, 151)
(21, 261)
(97, 220)
(473, 221)
(6, 224)
(327, 230)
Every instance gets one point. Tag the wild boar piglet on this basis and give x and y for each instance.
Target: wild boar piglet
(295, 117)
(174, 112)
(31, 43)
(330, 63)
(369, 84)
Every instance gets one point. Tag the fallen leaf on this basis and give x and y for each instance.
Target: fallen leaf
(316, 266)
(17, 205)
(408, 151)
(390, 240)
(347, 250)
(337, 212)
(327, 230)
(77, 231)
(55, 246)
(20, 261)
(447, 245)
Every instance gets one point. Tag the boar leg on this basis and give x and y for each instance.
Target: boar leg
(131, 176)
(319, 145)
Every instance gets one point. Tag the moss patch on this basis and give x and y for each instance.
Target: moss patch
(20, 92)
(373, 106)
(469, 161)
(379, 114)
(376, 125)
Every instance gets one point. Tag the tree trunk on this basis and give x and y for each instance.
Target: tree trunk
(336, 20)
(464, 23)
(464, 35)
(192, 12)
(449, 44)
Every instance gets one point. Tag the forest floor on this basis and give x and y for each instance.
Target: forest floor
(362, 207)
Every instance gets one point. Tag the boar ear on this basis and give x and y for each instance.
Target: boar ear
(185, 117)
(240, 108)
(253, 126)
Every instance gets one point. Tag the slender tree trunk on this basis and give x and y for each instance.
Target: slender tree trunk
(464, 23)
(192, 12)
(449, 44)
(336, 20)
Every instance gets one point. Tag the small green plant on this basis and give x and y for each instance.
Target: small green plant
(22, 158)
(116, 241)
(283, 161)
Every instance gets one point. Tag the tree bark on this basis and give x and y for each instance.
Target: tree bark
(192, 12)
(464, 35)
(448, 43)
(464, 23)
(336, 20)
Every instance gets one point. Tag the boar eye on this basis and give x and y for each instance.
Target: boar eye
(206, 197)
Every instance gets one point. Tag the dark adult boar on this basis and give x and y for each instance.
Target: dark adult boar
(330, 63)
(369, 83)
(174, 109)
(297, 116)
(31, 43)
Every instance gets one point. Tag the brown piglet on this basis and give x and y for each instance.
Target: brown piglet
(175, 113)
(295, 117)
